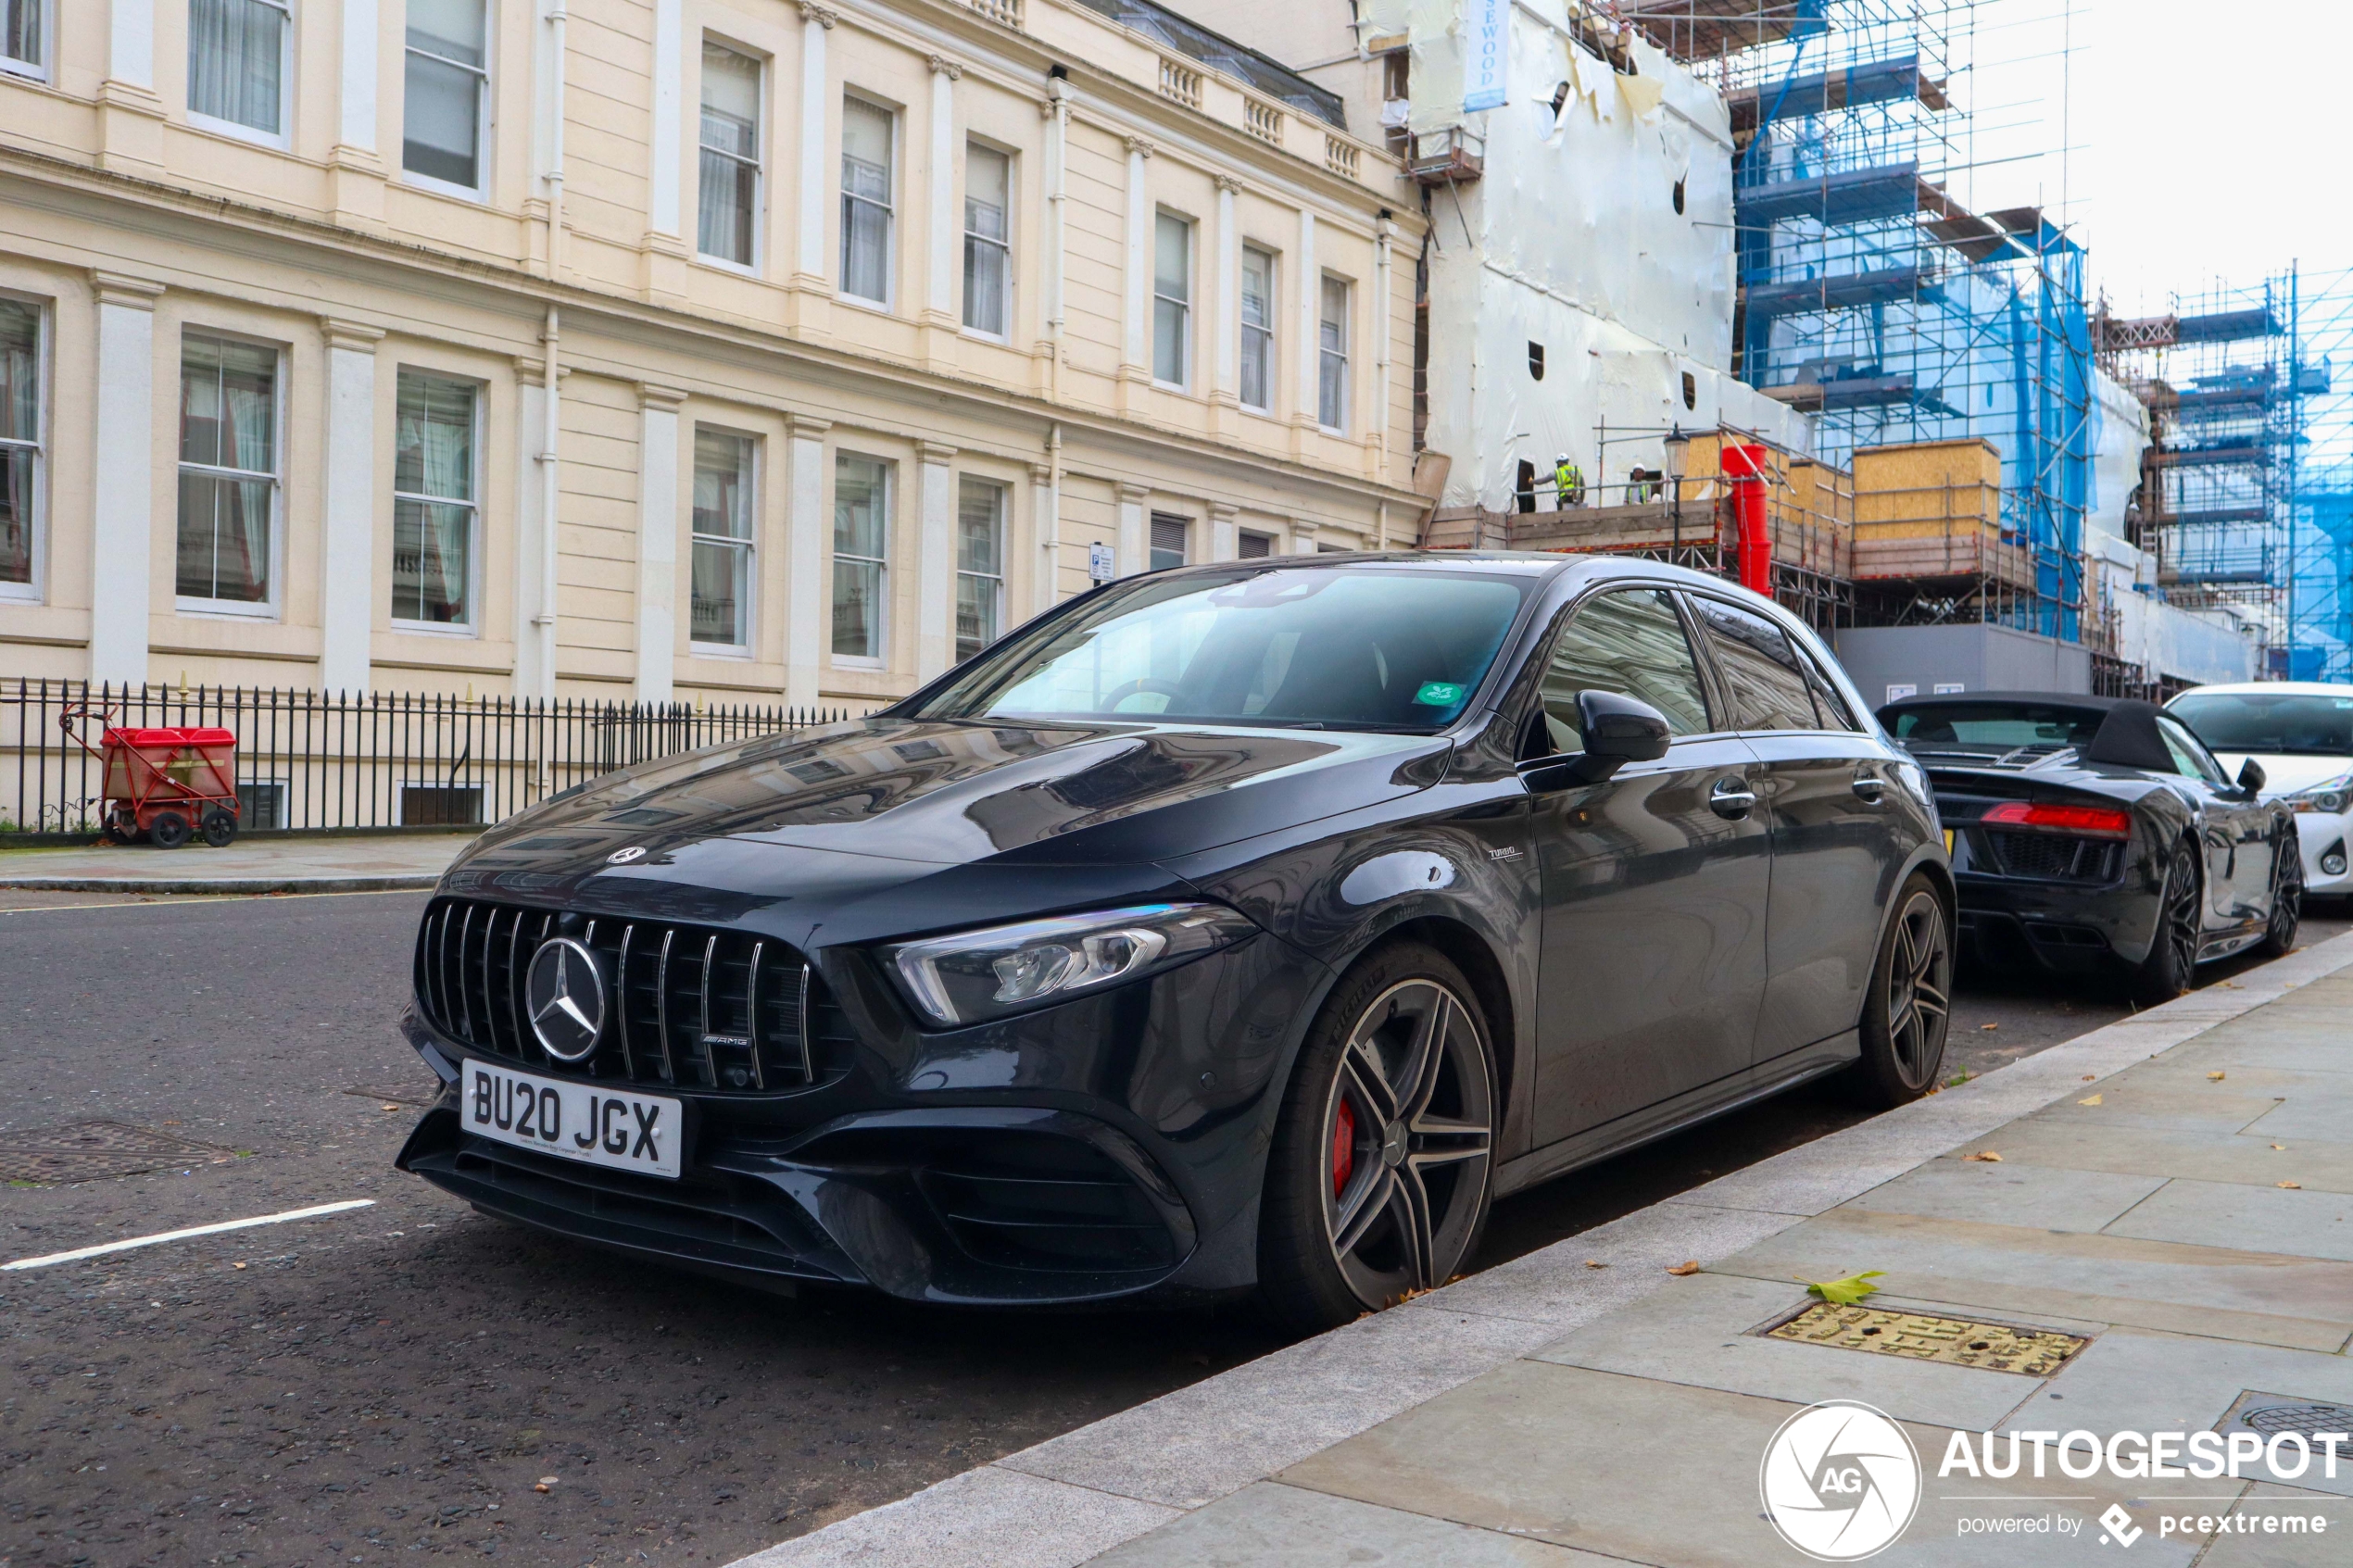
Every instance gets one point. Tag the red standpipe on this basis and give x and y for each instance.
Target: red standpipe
(1745, 466)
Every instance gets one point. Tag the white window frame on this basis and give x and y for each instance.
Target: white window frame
(1324, 357)
(189, 604)
(759, 219)
(484, 118)
(888, 304)
(35, 590)
(834, 556)
(42, 69)
(997, 579)
(284, 136)
(1005, 245)
(1184, 306)
(748, 546)
(472, 625)
(1266, 333)
(1152, 519)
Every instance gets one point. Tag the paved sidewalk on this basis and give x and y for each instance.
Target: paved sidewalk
(365, 863)
(2173, 1187)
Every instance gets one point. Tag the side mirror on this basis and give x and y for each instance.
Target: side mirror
(2252, 778)
(1618, 730)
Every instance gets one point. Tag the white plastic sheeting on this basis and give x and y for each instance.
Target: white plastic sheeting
(2119, 434)
(1571, 240)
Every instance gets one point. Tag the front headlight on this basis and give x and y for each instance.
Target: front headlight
(975, 975)
(2328, 797)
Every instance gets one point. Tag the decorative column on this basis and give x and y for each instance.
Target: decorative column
(355, 170)
(663, 250)
(941, 320)
(812, 284)
(534, 584)
(1303, 536)
(1375, 427)
(657, 541)
(124, 482)
(1224, 532)
(129, 114)
(1226, 316)
(936, 562)
(1047, 530)
(347, 521)
(808, 537)
(1055, 111)
(1134, 546)
(1134, 349)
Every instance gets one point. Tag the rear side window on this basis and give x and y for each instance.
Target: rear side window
(1832, 707)
(1629, 641)
(1767, 683)
(2190, 759)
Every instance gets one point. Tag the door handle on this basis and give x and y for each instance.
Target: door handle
(1731, 799)
(1870, 787)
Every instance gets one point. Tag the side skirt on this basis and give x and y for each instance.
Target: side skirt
(1686, 1110)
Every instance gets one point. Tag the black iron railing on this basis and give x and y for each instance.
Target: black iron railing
(312, 760)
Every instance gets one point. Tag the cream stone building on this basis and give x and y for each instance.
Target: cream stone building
(674, 349)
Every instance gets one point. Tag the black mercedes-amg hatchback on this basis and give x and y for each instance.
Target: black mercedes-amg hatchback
(1240, 926)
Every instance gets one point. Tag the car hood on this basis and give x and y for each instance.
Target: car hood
(2284, 772)
(887, 799)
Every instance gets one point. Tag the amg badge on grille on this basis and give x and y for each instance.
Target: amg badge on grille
(565, 994)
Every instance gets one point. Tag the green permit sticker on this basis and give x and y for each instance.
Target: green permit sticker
(1439, 694)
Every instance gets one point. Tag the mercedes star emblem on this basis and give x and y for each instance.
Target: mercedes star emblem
(622, 856)
(565, 992)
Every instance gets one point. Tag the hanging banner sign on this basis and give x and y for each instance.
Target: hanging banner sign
(1487, 47)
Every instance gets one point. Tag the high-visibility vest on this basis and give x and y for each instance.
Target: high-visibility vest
(1567, 480)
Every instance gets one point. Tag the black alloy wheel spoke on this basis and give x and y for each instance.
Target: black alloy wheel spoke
(1424, 1058)
(1370, 1080)
(1362, 1207)
(1417, 1228)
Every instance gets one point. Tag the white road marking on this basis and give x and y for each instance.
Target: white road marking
(81, 1252)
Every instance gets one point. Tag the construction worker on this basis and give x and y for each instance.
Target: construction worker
(1568, 484)
(1642, 485)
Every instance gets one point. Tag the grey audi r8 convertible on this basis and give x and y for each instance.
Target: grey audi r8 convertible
(2099, 831)
(1240, 926)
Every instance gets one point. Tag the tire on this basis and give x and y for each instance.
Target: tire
(1908, 1010)
(2172, 960)
(2287, 902)
(121, 830)
(219, 826)
(168, 829)
(1381, 1170)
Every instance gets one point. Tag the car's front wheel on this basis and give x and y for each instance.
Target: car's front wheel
(2287, 901)
(1379, 1180)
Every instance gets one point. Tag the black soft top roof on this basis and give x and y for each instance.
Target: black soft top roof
(2128, 735)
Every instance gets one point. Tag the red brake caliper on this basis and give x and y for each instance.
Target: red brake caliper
(1343, 1147)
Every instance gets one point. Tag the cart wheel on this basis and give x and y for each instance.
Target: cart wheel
(219, 826)
(167, 829)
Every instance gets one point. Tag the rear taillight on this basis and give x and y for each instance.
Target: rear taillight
(2092, 821)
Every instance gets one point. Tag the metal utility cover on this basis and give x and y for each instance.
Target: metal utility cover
(90, 1151)
(2268, 1415)
(1922, 1337)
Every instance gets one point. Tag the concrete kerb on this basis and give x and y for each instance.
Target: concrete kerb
(225, 886)
(1072, 1497)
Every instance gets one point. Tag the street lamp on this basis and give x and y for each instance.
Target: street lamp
(1678, 462)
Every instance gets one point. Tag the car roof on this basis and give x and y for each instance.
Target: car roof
(1541, 564)
(2270, 689)
(2046, 699)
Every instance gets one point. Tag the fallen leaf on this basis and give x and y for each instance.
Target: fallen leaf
(1845, 1292)
(391, 1107)
(1989, 1026)
(2214, 1077)
(2228, 986)
(2291, 1186)
(2092, 1100)
(2278, 1146)
(1595, 1263)
(240, 1265)
(1988, 1156)
(2090, 1076)
(545, 1482)
(1690, 1266)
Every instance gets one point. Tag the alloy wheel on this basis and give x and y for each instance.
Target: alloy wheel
(2287, 898)
(2182, 922)
(1408, 1130)
(1920, 988)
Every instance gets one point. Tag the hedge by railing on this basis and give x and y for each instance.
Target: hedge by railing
(314, 759)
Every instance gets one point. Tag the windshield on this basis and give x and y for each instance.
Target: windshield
(1996, 726)
(2297, 724)
(1366, 647)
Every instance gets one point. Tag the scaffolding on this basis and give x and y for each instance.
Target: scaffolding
(1872, 293)
(2320, 534)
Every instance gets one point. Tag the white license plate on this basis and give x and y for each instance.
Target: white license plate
(590, 1122)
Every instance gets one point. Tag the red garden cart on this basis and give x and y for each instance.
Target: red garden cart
(163, 783)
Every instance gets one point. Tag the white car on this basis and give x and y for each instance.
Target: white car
(2300, 732)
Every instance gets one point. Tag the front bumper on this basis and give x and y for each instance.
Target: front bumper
(1108, 1146)
(2321, 837)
